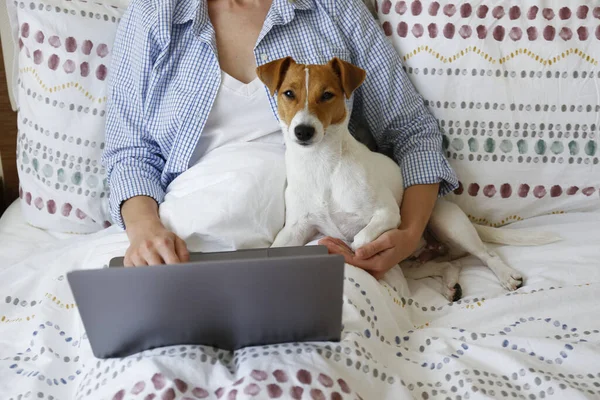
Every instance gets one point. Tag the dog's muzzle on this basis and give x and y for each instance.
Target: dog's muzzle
(304, 134)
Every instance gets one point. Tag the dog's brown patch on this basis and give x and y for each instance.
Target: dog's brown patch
(328, 86)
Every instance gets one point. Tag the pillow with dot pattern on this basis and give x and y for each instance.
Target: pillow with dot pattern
(514, 85)
(64, 50)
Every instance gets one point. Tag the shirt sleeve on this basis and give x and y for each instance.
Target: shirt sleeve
(389, 104)
(133, 160)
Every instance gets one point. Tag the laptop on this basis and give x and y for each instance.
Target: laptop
(227, 300)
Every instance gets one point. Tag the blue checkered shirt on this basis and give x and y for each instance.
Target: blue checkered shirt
(165, 76)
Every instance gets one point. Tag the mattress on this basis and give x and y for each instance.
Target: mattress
(400, 339)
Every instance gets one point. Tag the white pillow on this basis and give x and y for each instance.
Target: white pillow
(233, 198)
(64, 49)
(515, 88)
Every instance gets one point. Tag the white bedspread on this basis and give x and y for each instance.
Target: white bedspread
(399, 341)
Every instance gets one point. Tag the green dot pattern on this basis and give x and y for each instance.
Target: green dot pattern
(92, 181)
(61, 176)
(489, 145)
(557, 147)
(540, 147)
(76, 178)
(473, 145)
(457, 144)
(47, 170)
(506, 146)
(573, 148)
(590, 148)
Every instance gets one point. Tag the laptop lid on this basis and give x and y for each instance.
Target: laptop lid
(245, 254)
(228, 304)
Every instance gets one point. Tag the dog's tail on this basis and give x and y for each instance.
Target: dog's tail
(515, 237)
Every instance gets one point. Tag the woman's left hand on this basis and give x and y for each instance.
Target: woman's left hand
(379, 256)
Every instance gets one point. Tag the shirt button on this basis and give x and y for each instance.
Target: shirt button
(263, 57)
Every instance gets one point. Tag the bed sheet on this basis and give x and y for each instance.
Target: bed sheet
(399, 341)
(18, 239)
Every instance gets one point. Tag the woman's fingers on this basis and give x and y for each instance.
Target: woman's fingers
(376, 265)
(166, 249)
(181, 249)
(138, 261)
(336, 246)
(155, 248)
(382, 243)
(127, 261)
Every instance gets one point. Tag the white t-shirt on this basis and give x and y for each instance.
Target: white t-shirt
(241, 113)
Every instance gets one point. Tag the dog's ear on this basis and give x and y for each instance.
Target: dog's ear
(272, 73)
(350, 75)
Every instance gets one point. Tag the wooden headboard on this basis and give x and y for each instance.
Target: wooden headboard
(9, 188)
(8, 143)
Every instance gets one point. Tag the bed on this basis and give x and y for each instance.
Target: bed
(401, 339)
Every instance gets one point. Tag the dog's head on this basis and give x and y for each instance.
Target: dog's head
(310, 98)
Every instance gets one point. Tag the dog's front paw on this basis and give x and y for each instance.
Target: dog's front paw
(509, 278)
(512, 281)
(357, 244)
(362, 238)
(453, 293)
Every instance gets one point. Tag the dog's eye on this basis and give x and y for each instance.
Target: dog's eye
(327, 96)
(289, 94)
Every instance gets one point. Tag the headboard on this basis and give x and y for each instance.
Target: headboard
(8, 117)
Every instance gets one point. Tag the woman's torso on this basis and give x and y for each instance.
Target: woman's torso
(186, 76)
(240, 113)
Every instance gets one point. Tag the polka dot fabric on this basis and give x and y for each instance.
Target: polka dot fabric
(400, 340)
(63, 56)
(513, 86)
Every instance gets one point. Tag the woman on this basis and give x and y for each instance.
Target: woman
(176, 66)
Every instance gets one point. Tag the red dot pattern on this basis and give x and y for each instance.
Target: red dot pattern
(416, 7)
(50, 206)
(500, 14)
(304, 386)
(523, 190)
(434, 7)
(498, 33)
(69, 45)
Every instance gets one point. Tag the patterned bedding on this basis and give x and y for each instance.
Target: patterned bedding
(401, 339)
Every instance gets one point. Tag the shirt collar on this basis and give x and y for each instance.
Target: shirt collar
(282, 11)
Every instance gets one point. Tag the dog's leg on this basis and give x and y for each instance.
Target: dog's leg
(451, 226)
(449, 271)
(294, 234)
(510, 278)
(383, 220)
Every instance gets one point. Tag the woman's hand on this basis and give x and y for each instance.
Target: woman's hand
(150, 242)
(394, 246)
(379, 256)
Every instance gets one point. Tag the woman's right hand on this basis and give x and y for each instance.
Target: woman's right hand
(150, 242)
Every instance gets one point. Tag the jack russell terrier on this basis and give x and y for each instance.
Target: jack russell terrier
(336, 186)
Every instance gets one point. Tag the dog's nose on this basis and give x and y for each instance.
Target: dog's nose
(304, 132)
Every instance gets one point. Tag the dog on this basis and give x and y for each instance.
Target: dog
(337, 187)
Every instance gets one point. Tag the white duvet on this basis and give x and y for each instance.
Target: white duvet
(400, 340)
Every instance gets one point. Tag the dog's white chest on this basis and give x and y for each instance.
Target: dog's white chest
(334, 203)
(341, 189)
